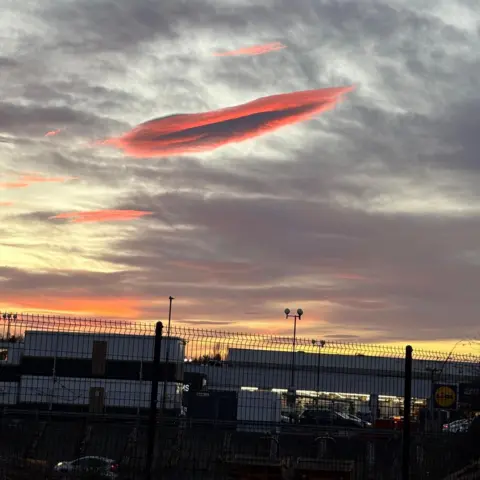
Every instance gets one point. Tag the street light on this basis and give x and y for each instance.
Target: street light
(8, 317)
(296, 316)
(320, 344)
(433, 371)
(167, 355)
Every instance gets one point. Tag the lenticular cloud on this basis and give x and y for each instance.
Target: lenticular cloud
(201, 132)
(254, 50)
(101, 216)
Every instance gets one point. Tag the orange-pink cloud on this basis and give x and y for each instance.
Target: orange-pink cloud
(6, 204)
(13, 185)
(37, 178)
(101, 216)
(201, 132)
(51, 133)
(253, 50)
(28, 179)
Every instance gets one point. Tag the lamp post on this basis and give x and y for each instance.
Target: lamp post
(167, 355)
(295, 317)
(433, 371)
(320, 344)
(8, 317)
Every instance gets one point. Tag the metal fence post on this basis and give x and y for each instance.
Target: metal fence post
(152, 422)
(407, 405)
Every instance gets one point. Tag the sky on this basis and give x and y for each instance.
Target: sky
(365, 215)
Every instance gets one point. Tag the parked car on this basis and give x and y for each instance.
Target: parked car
(99, 466)
(364, 423)
(329, 418)
(458, 426)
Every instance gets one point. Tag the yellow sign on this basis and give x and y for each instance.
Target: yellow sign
(445, 397)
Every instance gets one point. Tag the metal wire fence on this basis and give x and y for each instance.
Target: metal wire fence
(229, 405)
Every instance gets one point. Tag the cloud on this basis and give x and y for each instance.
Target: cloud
(101, 216)
(38, 178)
(52, 133)
(367, 218)
(253, 50)
(26, 180)
(14, 185)
(188, 133)
(6, 204)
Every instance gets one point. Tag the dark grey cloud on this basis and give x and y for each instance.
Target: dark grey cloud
(19, 280)
(110, 26)
(6, 62)
(367, 216)
(24, 120)
(460, 135)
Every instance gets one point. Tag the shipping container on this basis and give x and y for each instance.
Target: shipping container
(259, 411)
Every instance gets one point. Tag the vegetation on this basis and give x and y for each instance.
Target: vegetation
(12, 339)
(208, 359)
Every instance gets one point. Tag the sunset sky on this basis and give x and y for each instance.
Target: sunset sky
(366, 216)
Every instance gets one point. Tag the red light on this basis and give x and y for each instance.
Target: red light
(114, 467)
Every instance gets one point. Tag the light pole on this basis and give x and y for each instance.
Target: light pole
(167, 355)
(8, 317)
(320, 344)
(433, 371)
(171, 299)
(296, 316)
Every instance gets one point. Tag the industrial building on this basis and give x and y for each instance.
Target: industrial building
(94, 372)
(89, 372)
(359, 382)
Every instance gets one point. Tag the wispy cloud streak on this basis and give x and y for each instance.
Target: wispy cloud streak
(101, 216)
(253, 50)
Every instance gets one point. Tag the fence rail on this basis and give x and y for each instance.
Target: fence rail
(258, 396)
(15, 324)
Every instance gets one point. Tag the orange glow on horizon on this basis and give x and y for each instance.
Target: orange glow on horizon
(100, 313)
(122, 308)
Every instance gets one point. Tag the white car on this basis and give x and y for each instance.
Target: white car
(105, 467)
(458, 426)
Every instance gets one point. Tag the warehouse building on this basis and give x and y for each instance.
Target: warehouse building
(358, 383)
(89, 372)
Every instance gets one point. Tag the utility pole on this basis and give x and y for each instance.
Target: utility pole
(433, 371)
(167, 356)
(292, 390)
(320, 344)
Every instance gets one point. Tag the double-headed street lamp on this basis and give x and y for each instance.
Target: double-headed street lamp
(320, 344)
(8, 317)
(295, 317)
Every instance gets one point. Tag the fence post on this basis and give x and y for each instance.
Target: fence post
(152, 422)
(407, 405)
